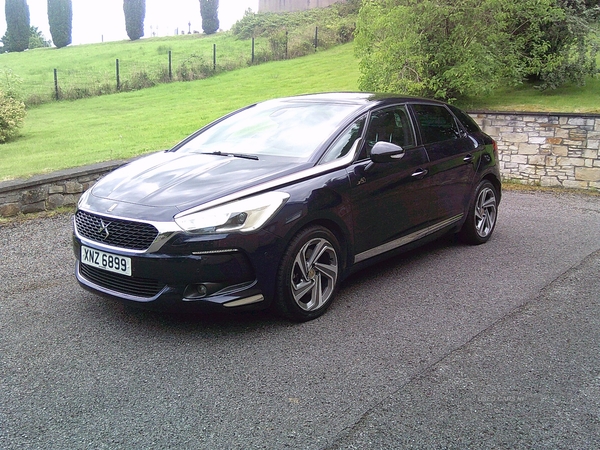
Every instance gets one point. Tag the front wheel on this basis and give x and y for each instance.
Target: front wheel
(481, 219)
(308, 275)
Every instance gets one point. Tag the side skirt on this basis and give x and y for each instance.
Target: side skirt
(404, 240)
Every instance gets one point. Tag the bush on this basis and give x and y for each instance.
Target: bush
(12, 115)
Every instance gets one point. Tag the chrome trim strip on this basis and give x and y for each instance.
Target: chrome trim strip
(313, 171)
(406, 239)
(245, 301)
(216, 252)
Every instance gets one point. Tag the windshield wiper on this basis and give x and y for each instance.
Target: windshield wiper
(235, 155)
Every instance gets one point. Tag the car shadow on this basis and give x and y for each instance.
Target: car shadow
(247, 321)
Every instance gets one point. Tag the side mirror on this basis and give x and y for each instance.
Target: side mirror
(383, 152)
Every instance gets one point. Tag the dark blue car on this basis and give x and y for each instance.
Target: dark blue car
(274, 204)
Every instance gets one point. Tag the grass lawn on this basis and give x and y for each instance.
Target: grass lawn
(68, 134)
(572, 98)
(93, 66)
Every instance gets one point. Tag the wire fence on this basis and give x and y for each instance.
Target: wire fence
(125, 75)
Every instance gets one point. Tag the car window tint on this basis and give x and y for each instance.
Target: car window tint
(469, 124)
(388, 125)
(436, 123)
(344, 143)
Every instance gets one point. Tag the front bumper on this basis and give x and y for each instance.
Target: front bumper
(226, 273)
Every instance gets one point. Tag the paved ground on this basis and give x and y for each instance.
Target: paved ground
(450, 346)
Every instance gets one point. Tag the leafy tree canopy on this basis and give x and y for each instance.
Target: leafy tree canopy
(450, 48)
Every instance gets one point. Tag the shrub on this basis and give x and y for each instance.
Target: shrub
(12, 115)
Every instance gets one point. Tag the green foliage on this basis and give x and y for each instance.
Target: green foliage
(209, 10)
(60, 18)
(446, 48)
(11, 84)
(17, 25)
(338, 20)
(12, 115)
(37, 39)
(135, 12)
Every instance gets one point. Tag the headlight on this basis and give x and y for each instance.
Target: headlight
(244, 215)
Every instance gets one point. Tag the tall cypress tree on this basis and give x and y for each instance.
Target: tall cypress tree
(209, 10)
(135, 12)
(18, 29)
(60, 18)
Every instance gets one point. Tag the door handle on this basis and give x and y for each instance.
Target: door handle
(468, 158)
(420, 173)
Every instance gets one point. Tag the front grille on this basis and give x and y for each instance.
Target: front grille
(115, 232)
(138, 287)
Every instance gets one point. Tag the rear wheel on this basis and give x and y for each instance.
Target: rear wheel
(481, 220)
(308, 275)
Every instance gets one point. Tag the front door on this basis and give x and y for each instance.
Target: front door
(388, 198)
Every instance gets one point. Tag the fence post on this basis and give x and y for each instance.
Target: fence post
(170, 66)
(316, 37)
(286, 44)
(57, 95)
(252, 49)
(118, 77)
(214, 57)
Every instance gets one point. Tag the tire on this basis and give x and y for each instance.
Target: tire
(308, 275)
(483, 212)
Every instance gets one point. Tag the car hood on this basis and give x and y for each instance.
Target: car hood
(182, 181)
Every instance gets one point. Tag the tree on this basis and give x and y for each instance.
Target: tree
(37, 39)
(60, 18)
(450, 48)
(135, 12)
(17, 25)
(209, 10)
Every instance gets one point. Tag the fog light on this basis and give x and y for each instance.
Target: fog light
(201, 290)
(196, 292)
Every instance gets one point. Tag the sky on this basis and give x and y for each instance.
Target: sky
(103, 20)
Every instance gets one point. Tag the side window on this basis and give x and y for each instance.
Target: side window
(388, 125)
(344, 143)
(469, 124)
(436, 123)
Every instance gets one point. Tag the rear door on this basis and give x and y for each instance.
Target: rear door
(452, 159)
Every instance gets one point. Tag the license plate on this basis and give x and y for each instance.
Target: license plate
(106, 261)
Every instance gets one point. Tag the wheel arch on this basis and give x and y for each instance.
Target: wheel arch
(340, 231)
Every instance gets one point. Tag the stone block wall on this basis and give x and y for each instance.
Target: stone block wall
(50, 191)
(546, 149)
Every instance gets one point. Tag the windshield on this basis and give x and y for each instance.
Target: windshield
(293, 129)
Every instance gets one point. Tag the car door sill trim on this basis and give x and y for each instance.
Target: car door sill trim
(406, 239)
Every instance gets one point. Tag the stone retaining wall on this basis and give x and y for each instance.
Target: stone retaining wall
(539, 149)
(546, 149)
(50, 191)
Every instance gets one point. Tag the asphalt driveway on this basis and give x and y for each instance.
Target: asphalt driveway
(449, 346)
